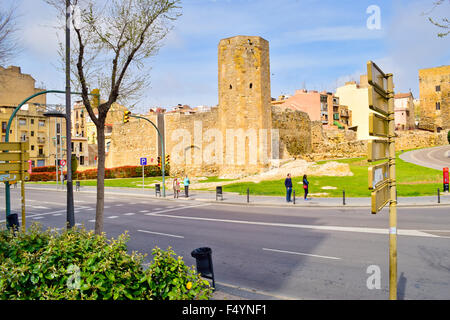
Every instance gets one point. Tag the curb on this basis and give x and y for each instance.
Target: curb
(254, 204)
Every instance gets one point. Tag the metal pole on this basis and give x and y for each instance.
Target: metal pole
(248, 195)
(393, 201)
(439, 196)
(143, 178)
(294, 196)
(70, 204)
(343, 197)
(56, 145)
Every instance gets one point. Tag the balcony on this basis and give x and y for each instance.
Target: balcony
(41, 140)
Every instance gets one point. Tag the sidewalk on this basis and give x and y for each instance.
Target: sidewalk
(236, 199)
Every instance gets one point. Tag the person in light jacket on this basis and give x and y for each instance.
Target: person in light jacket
(186, 183)
(176, 188)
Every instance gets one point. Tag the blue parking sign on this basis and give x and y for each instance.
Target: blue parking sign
(143, 161)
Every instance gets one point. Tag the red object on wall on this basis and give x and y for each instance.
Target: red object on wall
(445, 175)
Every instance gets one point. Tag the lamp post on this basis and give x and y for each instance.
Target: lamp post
(70, 208)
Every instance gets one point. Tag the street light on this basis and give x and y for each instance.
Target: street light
(70, 203)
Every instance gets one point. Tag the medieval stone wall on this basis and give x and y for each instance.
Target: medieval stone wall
(294, 129)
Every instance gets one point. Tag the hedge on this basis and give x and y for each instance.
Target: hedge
(110, 173)
(79, 265)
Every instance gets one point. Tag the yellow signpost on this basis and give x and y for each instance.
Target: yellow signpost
(382, 177)
(14, 167)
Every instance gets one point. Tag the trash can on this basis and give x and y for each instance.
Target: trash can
(219, 193)
(77, 186)
(203, 257)
(157, 189)
(13, 221)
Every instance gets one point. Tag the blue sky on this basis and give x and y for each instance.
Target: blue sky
(316, 44)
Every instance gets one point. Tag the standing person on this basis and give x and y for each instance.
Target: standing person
(288, 185)
(305, 186)
(186, 183)
(176, 188)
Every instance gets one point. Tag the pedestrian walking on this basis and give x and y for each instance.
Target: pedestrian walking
(186, 183)
(288, 185)
(176, 188)
(305, 186)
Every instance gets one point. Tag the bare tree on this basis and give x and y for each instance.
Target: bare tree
(8, 42)
(112, 41)
(443, 23)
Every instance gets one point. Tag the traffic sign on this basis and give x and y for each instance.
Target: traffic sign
(377, 78)
(378, 150)
(378, 101)
(143, 161)
(378, 125)
(380, 197)
(8, 177)
(378, 175)
(62, 163)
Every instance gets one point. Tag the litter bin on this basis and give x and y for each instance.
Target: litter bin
(219, 193)
(77, 186)
(157, 189)
(203, 257)
(13, 221)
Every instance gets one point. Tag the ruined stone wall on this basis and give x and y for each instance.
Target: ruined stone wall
(131, 141)
(294, 129)
(191, 141)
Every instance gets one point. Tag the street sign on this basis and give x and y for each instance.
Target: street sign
(378, 125)
(377, 78)
(8, 177)
(10, 146)
(378, 101)
(378, 175)
(62, 163)
(143, 161)
(378, 150)
(380, 197)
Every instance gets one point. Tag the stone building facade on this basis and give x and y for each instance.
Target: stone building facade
(434, 86)
(45, 135)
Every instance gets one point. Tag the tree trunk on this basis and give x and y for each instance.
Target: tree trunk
(100, 179)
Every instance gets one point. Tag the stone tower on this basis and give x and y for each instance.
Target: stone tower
(244, 103)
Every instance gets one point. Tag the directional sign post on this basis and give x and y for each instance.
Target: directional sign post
(15, 166)
(382, 177)
(143, 164)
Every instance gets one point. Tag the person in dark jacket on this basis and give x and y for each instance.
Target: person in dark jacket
(288, 185)
(305, 186)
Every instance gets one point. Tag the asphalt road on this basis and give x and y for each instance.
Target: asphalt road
(435, 158)
(274, 253)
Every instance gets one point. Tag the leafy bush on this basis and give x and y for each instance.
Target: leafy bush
(448, 136)
(78, 264)
(44, 169)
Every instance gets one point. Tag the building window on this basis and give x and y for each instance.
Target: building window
(32, 121)
(3, 127)
(22, 122)
(41, 123)
(32, 148)
(23, 137)
(438, 106)
(58, 128)
(81, 147)
(438, 88)
(32, 133)
(82, 160)
(41, 151)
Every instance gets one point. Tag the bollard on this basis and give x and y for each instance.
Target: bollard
(294, 196)
(439, 196)
(248, 195)
(219, 193)
(157, 190)
(343, 197)
(203, 258)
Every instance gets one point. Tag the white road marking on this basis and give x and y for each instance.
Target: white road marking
(39, 207)
(129, 214)
(113, 217)
(415, 233)
(143, 211)
(37, 218)
(57, 214)
(156, 213)
(301, 254)
(162, 234)
(92, 220)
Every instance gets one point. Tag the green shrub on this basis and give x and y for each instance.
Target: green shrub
(78, 264)
(448, 136)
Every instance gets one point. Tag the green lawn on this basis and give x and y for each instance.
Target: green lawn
(412, 180)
